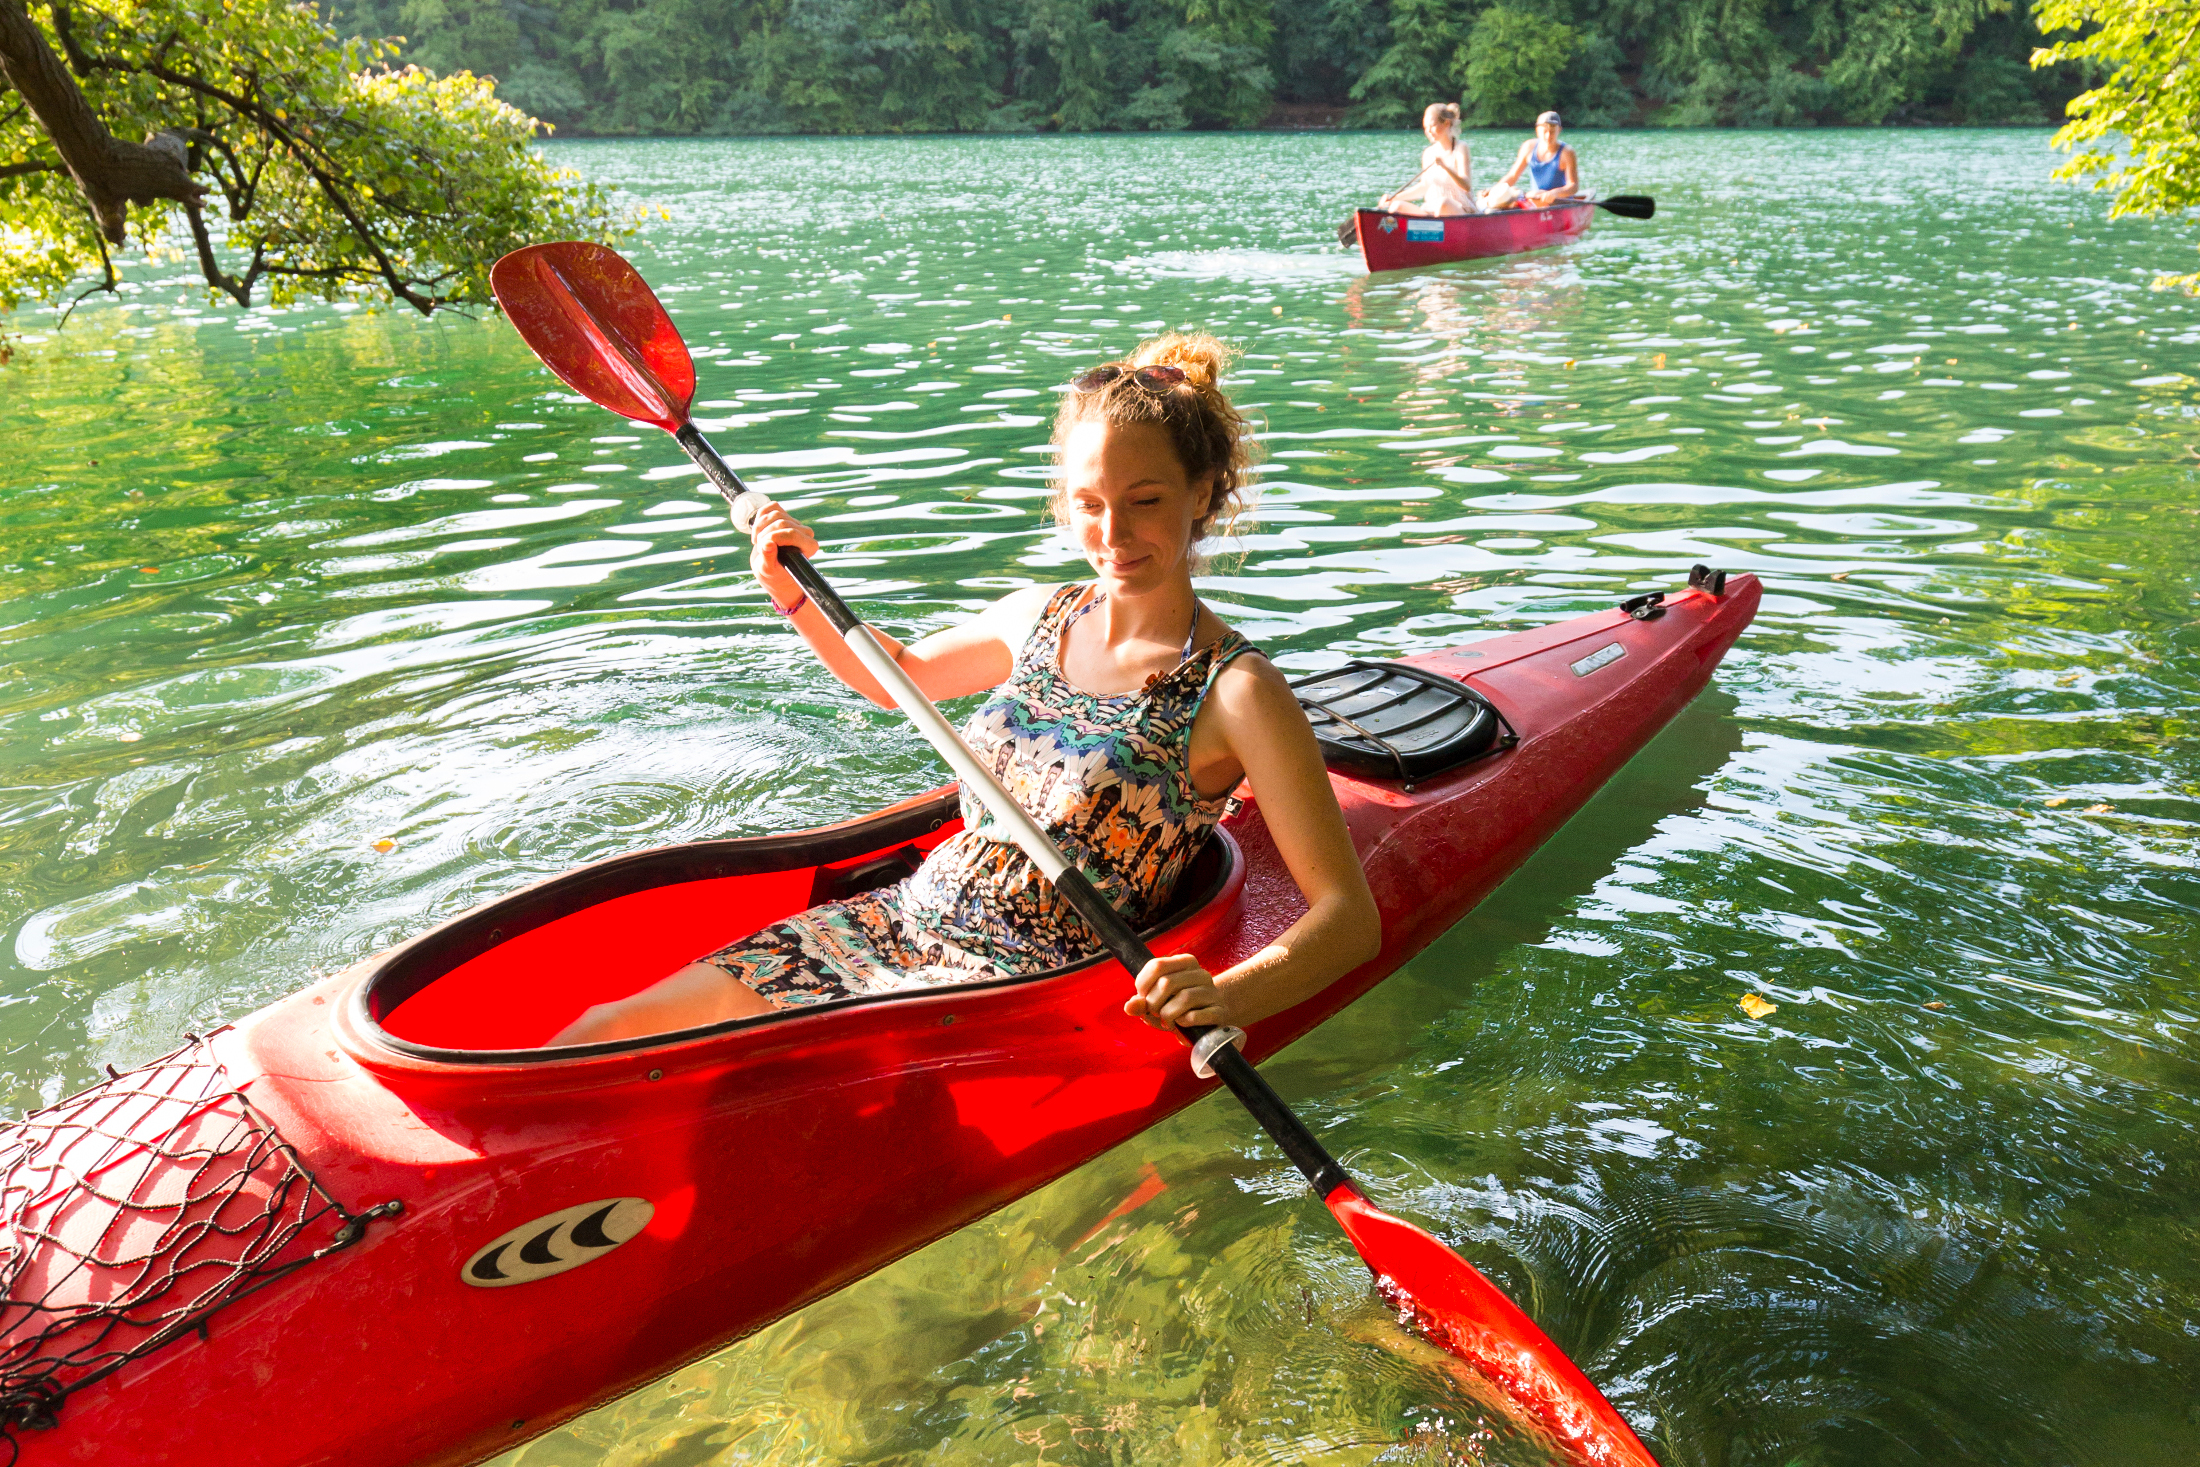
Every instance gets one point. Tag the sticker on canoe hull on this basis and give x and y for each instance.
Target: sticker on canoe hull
(1602, 657)
(556, 1242)
(1425, 229)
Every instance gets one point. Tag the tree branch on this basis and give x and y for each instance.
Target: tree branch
(106, 284)
(64, 26)
(309, 158)
(239, 291)
(111, 174)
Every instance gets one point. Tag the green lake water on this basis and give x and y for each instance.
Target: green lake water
(283, 587)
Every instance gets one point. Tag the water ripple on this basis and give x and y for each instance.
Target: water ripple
(325, 625)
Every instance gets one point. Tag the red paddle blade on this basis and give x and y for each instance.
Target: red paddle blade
(1457, 1309)
(594, 321)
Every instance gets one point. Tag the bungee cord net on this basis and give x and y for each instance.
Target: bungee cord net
(131, 1213)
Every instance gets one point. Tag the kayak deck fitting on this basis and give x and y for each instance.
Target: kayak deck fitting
(576, 1222)
(1391, 720)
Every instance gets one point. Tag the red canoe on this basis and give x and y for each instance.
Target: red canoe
(374, 1224)
(1409, 241)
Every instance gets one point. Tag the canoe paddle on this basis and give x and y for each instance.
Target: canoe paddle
(596, 324)
(1348, 233)
(1628, 206)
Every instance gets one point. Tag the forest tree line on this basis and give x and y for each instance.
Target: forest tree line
(623, 67)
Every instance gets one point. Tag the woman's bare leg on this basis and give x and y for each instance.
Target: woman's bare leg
(696, 995)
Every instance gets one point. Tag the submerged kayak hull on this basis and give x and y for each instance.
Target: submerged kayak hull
(1409, 241)
(575, 1224)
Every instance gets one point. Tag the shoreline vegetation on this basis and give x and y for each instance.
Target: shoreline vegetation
(762, 67)
(1281, 119)
(290, 162)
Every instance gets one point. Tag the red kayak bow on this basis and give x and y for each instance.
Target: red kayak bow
(595, 322)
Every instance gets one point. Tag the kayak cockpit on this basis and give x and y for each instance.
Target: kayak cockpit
(493, 985)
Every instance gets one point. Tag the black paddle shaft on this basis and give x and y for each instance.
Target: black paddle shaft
(806, 575)
(1116, 934)
(1252, 1090)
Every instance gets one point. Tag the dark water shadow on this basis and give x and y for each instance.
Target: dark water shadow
(1385, 1026)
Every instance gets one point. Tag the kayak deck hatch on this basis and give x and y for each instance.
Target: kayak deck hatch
(1390, 720)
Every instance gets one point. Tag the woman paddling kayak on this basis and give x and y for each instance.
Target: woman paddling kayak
(1123, 714)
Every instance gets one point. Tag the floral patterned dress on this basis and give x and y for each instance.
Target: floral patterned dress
(1108, 777)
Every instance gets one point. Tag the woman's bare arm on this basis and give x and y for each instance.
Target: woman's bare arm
(950, 663)
(1390, 201)
(1260, 722)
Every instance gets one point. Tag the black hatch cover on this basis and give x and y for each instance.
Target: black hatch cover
(1385, 720)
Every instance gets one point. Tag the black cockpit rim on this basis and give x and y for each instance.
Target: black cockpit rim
(412, 967)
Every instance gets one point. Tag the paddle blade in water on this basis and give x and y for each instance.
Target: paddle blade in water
(1453, 1306)
(1630, 206)
(593, 320)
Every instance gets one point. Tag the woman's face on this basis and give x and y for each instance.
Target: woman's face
(1439, 131)
(1129, 504)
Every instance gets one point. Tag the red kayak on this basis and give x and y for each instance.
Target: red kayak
(1410, 241)
(376, 1223)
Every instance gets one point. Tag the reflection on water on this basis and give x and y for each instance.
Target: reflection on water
(322, 625)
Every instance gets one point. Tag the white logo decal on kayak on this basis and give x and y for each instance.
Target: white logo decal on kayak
(1602, 657)
(556, 1241)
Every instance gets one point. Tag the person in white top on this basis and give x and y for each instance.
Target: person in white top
(1446, 181)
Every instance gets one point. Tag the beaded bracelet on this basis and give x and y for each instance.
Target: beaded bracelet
(789, 611)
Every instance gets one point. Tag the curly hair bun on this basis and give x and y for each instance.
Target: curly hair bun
(1200, 357)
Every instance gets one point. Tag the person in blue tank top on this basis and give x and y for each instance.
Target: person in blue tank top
(1552, 172)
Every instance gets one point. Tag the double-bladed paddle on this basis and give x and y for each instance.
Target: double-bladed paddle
(595, 323)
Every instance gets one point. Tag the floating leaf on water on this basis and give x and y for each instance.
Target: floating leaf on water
(2056, 802)
(1840, 575)
(2066, 680)
(130, 737)
(1757, 1005)
(2099, 809)
(385, 845)
(1934, 1003)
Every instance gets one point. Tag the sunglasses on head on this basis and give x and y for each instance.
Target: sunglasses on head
(1160, 379)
